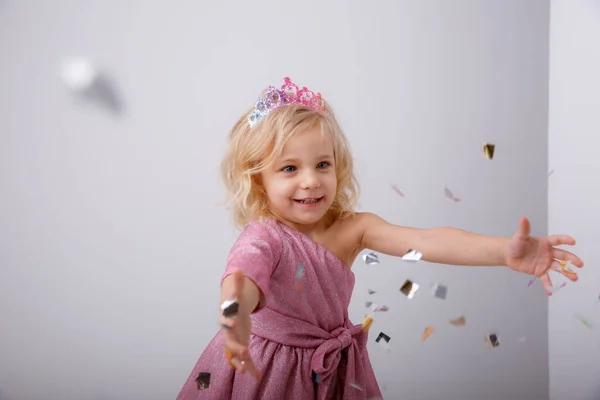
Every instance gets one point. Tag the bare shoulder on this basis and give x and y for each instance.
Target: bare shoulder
(351, 229)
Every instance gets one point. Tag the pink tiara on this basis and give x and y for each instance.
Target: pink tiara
(288, 94)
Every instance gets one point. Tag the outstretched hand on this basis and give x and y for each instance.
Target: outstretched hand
(537, 255)
(235, 330)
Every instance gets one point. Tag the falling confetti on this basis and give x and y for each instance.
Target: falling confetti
(367, 322)
(85, 80)
(460, 321)
(395, 188)
(440, 291)
(531, 282)
(316, 377)
(371, 259)
(564, 268)
(371, 291)
(382, 336)
(428, 331)
(550, 173)
(78, 73)
(230, 308)
(203, 380)
(584, 321)
(492, 340)
(409, 288)
(355, 386)
(298, 278)
(412, 255)
(488, 150)
(450, 195)
(375, 307)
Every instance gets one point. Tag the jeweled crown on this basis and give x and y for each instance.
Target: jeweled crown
(288, 94)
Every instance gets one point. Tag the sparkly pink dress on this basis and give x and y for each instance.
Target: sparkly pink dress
(302, 340)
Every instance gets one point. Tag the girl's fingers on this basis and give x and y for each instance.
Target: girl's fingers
(563, 269)
(238, 364)
(557, 240)
(547, 283)
(232, 345)
(567, 256)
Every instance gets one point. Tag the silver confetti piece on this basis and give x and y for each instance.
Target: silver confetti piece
(382, 336)
(300, 272)
(492, 340)
(440, 291)
(450, 195)
(368, 304)
(381, 308)
(355, 386)
(230, 308)
(203, 380)
(409, 288)
(371, 291)
(371, 259)
(412, 256)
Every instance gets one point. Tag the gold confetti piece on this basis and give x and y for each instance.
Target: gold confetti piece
(230, 308)
(412, 255)
(450, 195)
(409, 288)
(584, 321)
(428, 331)
(395, 188)
(563, 266)
(203, 380)
(367, 322)
(488, 150)
(460, 321)
(382, 336)
(440, 291)
(355, 386)
(492, 340)
(371, 259)
(371, 291)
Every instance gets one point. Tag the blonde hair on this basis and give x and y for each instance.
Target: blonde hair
(253, 150)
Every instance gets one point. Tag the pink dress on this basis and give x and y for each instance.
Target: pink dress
(302, 340)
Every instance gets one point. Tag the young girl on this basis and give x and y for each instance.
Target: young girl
(287, 286)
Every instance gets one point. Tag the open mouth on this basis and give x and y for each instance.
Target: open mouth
(310, 200)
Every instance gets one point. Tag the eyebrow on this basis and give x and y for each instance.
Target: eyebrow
(292, 159)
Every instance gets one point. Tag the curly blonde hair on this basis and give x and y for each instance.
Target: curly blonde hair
(252, 150)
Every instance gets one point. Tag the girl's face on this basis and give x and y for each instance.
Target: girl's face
(301, 184)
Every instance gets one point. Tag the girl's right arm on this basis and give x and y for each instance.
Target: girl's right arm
(236, 328)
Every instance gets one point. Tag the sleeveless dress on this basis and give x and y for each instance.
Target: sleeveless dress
(302, 341)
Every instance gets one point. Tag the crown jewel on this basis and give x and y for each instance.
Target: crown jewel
(288, 94)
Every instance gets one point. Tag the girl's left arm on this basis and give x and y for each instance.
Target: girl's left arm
(437, 245)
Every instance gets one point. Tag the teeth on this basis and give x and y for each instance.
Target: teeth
(308, 201)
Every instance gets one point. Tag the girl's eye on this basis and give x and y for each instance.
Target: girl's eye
(323, 164)
(289, 168)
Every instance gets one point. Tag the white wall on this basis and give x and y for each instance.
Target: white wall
(111, 242)
(572, 194)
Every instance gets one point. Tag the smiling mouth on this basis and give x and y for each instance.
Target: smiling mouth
(310, 200)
